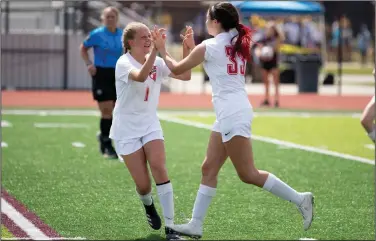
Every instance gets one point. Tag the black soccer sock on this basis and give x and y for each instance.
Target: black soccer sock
(105, 126)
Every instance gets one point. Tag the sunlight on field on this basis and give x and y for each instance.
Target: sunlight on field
(342, 134)
(81, 194)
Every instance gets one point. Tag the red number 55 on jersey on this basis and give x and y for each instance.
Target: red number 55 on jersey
(233, 69)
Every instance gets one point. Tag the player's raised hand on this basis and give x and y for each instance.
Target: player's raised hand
(159, 38)
(188, 40)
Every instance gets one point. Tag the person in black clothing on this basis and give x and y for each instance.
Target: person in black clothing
(270, 65)
(107, 46)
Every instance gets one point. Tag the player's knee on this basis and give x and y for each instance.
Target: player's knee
(158, 167)
(363, 121)
(143, 188)
(209, 170)
(106, 109)
(367, 123)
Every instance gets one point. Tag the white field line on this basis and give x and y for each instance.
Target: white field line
(59, 125)
(275, 141)
(267, 114)
(5, 123)
(28, 227)
(370, 146)
(22, 222)
(164, 115)
(78, 144)
(52, 112)
(187, 113)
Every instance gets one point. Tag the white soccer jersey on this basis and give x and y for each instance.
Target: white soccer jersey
(135, 112)
(227, 76)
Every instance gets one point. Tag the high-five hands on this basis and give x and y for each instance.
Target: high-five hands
(159, 38)
(187, 37)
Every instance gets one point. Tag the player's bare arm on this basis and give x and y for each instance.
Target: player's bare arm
(186, 75)
(142, 74)
(188, 44)
(194, 58)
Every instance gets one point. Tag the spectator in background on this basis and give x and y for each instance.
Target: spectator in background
(292, 31)
(107, 45)
(364, 43)
(253, 67)
(335, 36)
(334, 43)
(347, 38)
(270, 65)
(328, 37)
(280, 26)
(311, 36)
(317, 34)
(258, 24)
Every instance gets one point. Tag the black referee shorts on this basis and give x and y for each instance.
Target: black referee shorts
(104, 84)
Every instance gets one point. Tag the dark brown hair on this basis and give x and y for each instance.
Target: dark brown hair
(228, 16)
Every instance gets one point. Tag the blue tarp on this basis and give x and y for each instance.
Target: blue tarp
(278, 7)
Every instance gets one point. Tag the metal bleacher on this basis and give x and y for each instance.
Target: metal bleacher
(48, 16)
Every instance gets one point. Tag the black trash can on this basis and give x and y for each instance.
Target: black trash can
(307, 72)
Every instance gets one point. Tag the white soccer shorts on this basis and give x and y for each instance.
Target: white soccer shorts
(238, 124)
(126, 147)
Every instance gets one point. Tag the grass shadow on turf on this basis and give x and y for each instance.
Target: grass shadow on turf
(152, 237)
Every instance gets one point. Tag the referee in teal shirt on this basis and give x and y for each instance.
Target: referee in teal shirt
(107, 47)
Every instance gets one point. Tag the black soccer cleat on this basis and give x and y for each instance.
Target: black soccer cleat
(152, 216)
(172, 235)
(106, 148)
(110, 151)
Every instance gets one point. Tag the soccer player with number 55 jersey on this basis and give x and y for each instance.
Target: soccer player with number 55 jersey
(224, 58)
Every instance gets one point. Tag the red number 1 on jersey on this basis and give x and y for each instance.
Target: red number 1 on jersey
(146, 94)
(232, 69)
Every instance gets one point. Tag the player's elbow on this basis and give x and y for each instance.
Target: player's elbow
(140, 78)
(364, 122)
(177, 71)
(83, 49)
(367, 122)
